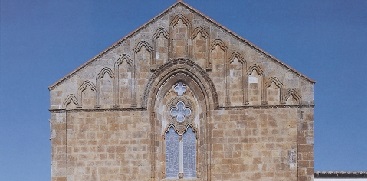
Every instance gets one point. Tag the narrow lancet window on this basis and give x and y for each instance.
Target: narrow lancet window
(172, 154)
(189, 154)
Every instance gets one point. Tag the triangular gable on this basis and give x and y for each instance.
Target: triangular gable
(51, 87)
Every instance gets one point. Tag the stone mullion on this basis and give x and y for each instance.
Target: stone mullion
(243, 82)
(134, 82)
(170, 42)
(151, 51)
(208, 155)
(266, 85)
(116, 86)
(207, 51)
(197, 153)
(152, 146)
(246, 91)
(80, 92)
(262, 89)
(226, 93)
(163, 156)
(189, 43)
(98, 83)
(154, 54)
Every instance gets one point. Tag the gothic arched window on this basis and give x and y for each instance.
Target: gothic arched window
(180, 154)
(180, 138)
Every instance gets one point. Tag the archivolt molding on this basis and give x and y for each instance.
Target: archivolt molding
(223, 46)
(185, 66)
(242, 60)
(83, 87)
(204, 33)
(71, 98)
(179, 17)
(160, 31)
(130, 63)
(100, 75)
(267, 84)
(86, 84)
(294, 93)
(124, 57)
(143, 44)
(220, 43)
(274, 80)
(255, 67)
(237, 55)
(104, 71)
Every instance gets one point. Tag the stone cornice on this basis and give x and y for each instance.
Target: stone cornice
(341, 174)
(144, 109)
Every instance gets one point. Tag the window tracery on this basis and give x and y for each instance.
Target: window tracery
(180, 138)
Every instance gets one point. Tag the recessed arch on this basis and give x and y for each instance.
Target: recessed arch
(179, 17)
(71, 98)
(187, 67)
(86, 84)
(162, 80)
(292, 93)
(143, 44)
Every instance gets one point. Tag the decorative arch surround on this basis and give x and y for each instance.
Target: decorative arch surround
(185, 65)
(71, 98)
(143, 44)
(161, 44)
(203, 31)
(198, 81)
(200, 46)
(179, 37)
(85, 85)
(179, 17)
(104, 71)
(257, 80)
(218, 67)
(236, 85)
(271, 95)
(294, 94)
(160, 31)
(142, 67)
(255, 67)
(124, 58)
(99, 78)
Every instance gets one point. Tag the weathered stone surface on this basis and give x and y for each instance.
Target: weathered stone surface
(251, 114)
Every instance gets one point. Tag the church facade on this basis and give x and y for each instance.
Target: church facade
(182, 98)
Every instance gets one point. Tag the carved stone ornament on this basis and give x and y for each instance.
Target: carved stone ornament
(180, 111)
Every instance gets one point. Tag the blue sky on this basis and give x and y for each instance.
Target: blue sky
(43, 40)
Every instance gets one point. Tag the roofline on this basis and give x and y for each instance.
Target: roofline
(340, 174)
(51, 87)
(250, 44)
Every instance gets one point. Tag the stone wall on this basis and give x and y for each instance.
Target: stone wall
(252, 114)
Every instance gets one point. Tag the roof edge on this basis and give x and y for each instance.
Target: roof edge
(249, 43)
(52, 86)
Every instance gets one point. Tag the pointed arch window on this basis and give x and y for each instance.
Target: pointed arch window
(180, 154)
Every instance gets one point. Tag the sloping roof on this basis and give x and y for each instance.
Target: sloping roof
(51, 87)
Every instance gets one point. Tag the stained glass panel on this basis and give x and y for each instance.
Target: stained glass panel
(172, 154)
(189, 154)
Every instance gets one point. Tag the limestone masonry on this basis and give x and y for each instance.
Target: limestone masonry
(182, 98)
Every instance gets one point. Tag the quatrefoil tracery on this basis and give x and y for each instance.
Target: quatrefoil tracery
(180, 111)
